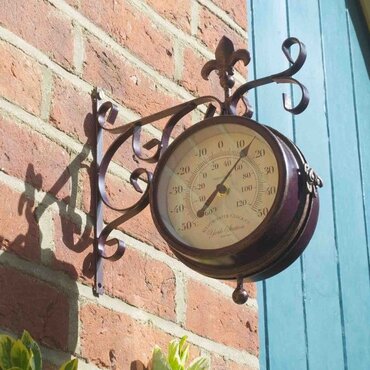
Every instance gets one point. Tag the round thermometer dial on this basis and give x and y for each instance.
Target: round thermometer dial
(224, 195)
(218, 186)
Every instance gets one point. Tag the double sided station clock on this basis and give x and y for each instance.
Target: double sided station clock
(230, 198)
(233, 198)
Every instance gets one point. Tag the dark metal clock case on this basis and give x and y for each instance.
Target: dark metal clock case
(278, 240)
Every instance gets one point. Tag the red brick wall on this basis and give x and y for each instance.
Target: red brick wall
(147, 56)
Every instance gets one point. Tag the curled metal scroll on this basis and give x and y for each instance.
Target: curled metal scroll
(282, 77)
(106, 112)
(128, 213)
(176, 115)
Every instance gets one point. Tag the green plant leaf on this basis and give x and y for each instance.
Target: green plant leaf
(20, 356)
(200, 363)
(31, 345)
(159, 361)
(174, 355)
(70, 365)
(14, 368)
(182, 343)
(183, 350)
(184, 356)
(6, 344)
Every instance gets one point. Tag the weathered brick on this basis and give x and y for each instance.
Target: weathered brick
(217, 317)
(42, 25)
(178, 14)
(29, 156)
(135, 278)
(121, 340)
(105, 68)
(211, 29)
(30, 304)
(19, 231)
(236, 9)
(142, 282)
(71, 111)
(74, 3)
(220, 363)
(134, 30)
(73, 249)
(20, 78)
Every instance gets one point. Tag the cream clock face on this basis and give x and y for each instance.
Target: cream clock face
(217, 186)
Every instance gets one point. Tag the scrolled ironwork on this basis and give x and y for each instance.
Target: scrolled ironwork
(128, 213)
(110, 109)
(300, 60)
(281, 77)
(106, 112)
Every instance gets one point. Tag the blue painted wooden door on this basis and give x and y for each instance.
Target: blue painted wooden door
(316, 314)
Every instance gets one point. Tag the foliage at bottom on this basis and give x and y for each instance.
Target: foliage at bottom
(24, 354)
(177, 358)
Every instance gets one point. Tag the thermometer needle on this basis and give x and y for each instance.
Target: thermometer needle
(221, 188)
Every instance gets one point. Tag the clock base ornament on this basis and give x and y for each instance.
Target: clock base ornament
(233, 198)
(240, 295)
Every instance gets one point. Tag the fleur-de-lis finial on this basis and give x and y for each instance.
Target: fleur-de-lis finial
(226, 57)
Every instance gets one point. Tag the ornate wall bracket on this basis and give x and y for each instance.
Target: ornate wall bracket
(105, 113)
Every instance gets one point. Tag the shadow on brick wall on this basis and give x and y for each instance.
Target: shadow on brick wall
(54, 242)
(33, 295)
(73, 233)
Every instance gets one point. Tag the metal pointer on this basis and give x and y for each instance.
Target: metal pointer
(221, 188)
